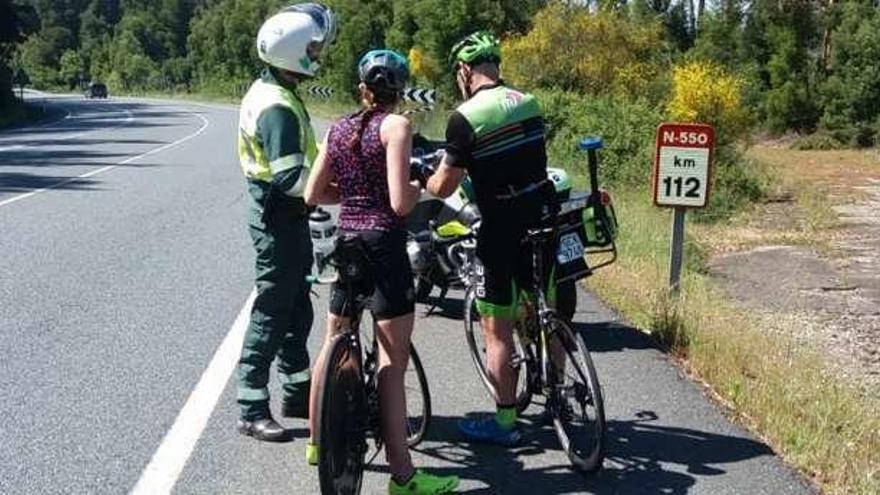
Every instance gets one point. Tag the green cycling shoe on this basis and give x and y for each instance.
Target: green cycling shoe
(423, 483)
(312, 454)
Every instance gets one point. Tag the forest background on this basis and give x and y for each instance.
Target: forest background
(795, 65)
(801, 72)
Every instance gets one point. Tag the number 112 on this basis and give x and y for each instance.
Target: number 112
(692, 182)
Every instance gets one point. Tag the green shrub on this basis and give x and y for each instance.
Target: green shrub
(817, 141)
(628, 129)
(738, 182)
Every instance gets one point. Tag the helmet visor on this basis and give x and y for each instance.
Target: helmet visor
(322, 16)
(314, 49)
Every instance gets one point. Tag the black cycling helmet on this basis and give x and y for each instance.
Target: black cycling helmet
(383, 71)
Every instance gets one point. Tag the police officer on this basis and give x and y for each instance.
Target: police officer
(276, 146)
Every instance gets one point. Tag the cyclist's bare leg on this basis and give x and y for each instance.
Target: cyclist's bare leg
(498, 333)
(394, 341)
(335, 324)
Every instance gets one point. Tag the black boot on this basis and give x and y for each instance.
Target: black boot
(264, 429)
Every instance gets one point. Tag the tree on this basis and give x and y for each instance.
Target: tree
(41, 54)
(231, 64)
(363, 24)
(593, 53)
(787, 32)
(15, 22)
(71, 68)
(851, 94)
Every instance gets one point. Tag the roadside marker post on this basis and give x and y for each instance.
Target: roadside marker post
(320, 91)
(682, 179)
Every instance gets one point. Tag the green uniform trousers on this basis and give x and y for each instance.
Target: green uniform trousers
(282, 313)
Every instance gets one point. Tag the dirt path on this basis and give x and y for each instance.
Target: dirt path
(818, 284)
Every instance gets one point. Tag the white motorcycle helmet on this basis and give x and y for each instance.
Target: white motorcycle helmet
(294, 38)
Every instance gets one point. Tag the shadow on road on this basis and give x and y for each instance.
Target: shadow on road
(641, 457)
(87, 116)
(600, 336)
(609, 336)
(21, 183)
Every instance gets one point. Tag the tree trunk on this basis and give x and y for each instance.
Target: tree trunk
(825, 62)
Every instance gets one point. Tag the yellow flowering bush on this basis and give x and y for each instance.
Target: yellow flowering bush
(590, 52)
(705, 92)
(422, 65)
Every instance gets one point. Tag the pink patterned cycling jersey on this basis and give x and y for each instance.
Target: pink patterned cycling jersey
(361, 173)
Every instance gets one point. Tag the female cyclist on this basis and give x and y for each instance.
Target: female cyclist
(364, 165)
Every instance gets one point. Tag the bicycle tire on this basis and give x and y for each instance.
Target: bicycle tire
(417, 426)
(587, 452)
(341, 431)
(415, 380)
(527, 362)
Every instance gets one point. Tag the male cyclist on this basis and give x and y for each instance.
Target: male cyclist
(276, 147)
(497, 137)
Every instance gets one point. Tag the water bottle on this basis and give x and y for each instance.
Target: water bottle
(323, 234)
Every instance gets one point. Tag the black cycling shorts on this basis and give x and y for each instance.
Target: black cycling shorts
(387, 282)
(503, 269)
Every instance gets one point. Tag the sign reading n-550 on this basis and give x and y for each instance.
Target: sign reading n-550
(683, 165)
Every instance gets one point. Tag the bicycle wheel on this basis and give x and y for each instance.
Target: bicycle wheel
(415, 387)
(418, 399)
(576, 400)
(341, 420)
(522, 360)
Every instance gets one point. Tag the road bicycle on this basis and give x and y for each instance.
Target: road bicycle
(348, 411)
(550, 358)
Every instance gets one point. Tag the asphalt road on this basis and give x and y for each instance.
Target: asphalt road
(124, 265)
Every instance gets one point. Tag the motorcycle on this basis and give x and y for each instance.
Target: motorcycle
(441, 240)
(442, 232)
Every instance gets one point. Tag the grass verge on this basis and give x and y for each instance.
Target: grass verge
(773, 385)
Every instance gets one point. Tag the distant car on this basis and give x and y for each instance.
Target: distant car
(96, 90)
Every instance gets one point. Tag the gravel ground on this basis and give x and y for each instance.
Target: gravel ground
(830, 301)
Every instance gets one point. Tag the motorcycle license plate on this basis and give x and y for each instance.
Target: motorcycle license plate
(570, 248)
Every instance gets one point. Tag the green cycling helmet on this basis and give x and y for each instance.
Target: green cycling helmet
(481, 46)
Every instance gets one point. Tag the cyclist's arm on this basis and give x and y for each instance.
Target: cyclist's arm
(321, 189)
(460, 139)
(447, 178)
(396, 135)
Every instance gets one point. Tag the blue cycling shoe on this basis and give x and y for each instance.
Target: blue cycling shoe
(487, 430)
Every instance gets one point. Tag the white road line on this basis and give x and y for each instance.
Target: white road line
(160, 475)
(109, 167)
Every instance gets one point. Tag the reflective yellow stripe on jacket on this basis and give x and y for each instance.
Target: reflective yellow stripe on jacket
(254, 163)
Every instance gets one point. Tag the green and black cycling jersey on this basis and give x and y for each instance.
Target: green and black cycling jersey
(498, 136)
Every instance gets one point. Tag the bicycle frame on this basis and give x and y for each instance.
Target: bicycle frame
(543, 311)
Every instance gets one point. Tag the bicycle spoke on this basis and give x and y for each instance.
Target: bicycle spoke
(522, 359)
(577, 401)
